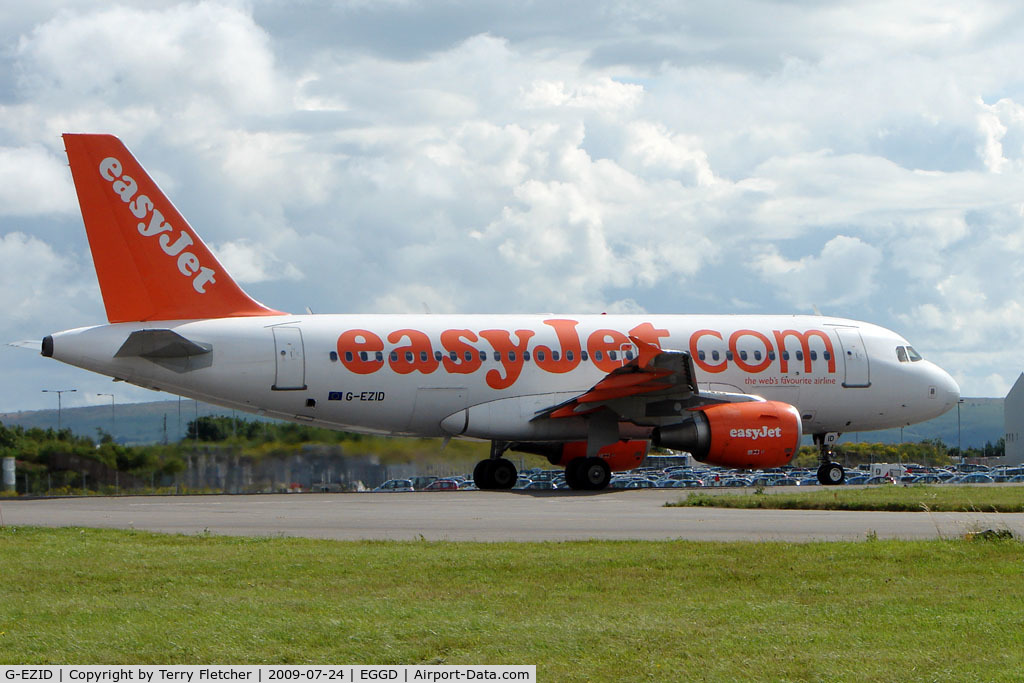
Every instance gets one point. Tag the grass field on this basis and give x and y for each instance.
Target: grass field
(920, 498)
(582, 611)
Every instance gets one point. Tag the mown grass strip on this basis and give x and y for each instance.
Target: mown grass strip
(581, 611)
(919, 498)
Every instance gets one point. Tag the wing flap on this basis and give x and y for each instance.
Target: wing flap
(657, 385)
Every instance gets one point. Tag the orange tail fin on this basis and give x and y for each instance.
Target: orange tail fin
(150, 262)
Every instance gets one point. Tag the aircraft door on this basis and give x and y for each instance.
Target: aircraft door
(291, 363)
(855, 357)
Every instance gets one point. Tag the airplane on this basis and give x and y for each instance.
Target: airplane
(592, 393)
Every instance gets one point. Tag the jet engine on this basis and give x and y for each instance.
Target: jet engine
(750, 435)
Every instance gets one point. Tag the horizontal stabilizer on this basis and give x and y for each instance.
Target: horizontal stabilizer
(153, 344)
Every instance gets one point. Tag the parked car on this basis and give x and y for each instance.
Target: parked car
(395, 485)
(927, 479)
(976, 478)
(880, 480)
(442, 485)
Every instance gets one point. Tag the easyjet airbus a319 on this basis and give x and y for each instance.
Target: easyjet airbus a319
(590, 392)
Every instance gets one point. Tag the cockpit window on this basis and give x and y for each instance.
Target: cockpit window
(914, 355)
(901, 353)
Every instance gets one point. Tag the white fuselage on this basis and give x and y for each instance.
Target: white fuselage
(452, 375)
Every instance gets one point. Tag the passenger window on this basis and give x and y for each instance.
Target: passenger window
(714, 355)
(799, 355)
(827, 356)
(408, 356)
(540, 356)
(380, 356)
(728, 355)
(554, 355)
(364, 356)
(629, 354)
(468, 355)
(757, 355)
(511, 355)
(348, 356)
(599, 355)
(334, 355)
(743, 355)
(423, 356)
(497, 356)
(901, 354)
(584, 355)
(526, 355)
(771, 355)
(483, 356)
(570, 356)
(701, 355)
(438, 355)
(814, 355)
(613, 355)
(785, 355)
(394, 356)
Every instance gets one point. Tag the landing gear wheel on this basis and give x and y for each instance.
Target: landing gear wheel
(831, 473)
(504, 474)
(483, 474)
(572, 475)
(595, 474)
(493, 474)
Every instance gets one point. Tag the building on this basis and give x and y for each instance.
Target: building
(1013, 423)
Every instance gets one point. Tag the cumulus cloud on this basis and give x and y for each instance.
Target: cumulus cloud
(38, 284)
(604, 156)
(250, 263)
(33, 181)
(844, 273)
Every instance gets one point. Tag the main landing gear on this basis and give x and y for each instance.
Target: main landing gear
(581, 474)
(495, 473)
(829, 472)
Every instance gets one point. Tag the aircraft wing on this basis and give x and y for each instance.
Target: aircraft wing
(655, 387)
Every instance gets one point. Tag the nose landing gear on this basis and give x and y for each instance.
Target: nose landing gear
(829, 473)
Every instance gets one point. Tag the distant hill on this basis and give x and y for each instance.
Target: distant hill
(133, 423)
(981, 420)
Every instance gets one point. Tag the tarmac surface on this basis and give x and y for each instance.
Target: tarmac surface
(486, 516)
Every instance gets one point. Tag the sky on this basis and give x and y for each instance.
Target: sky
(861, 159)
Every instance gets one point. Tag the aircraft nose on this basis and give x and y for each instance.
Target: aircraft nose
(946, 388)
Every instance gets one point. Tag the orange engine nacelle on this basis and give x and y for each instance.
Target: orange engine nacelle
(751, 435)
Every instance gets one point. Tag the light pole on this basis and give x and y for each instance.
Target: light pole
(113, 420)
(959, 449)
(58, 392)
